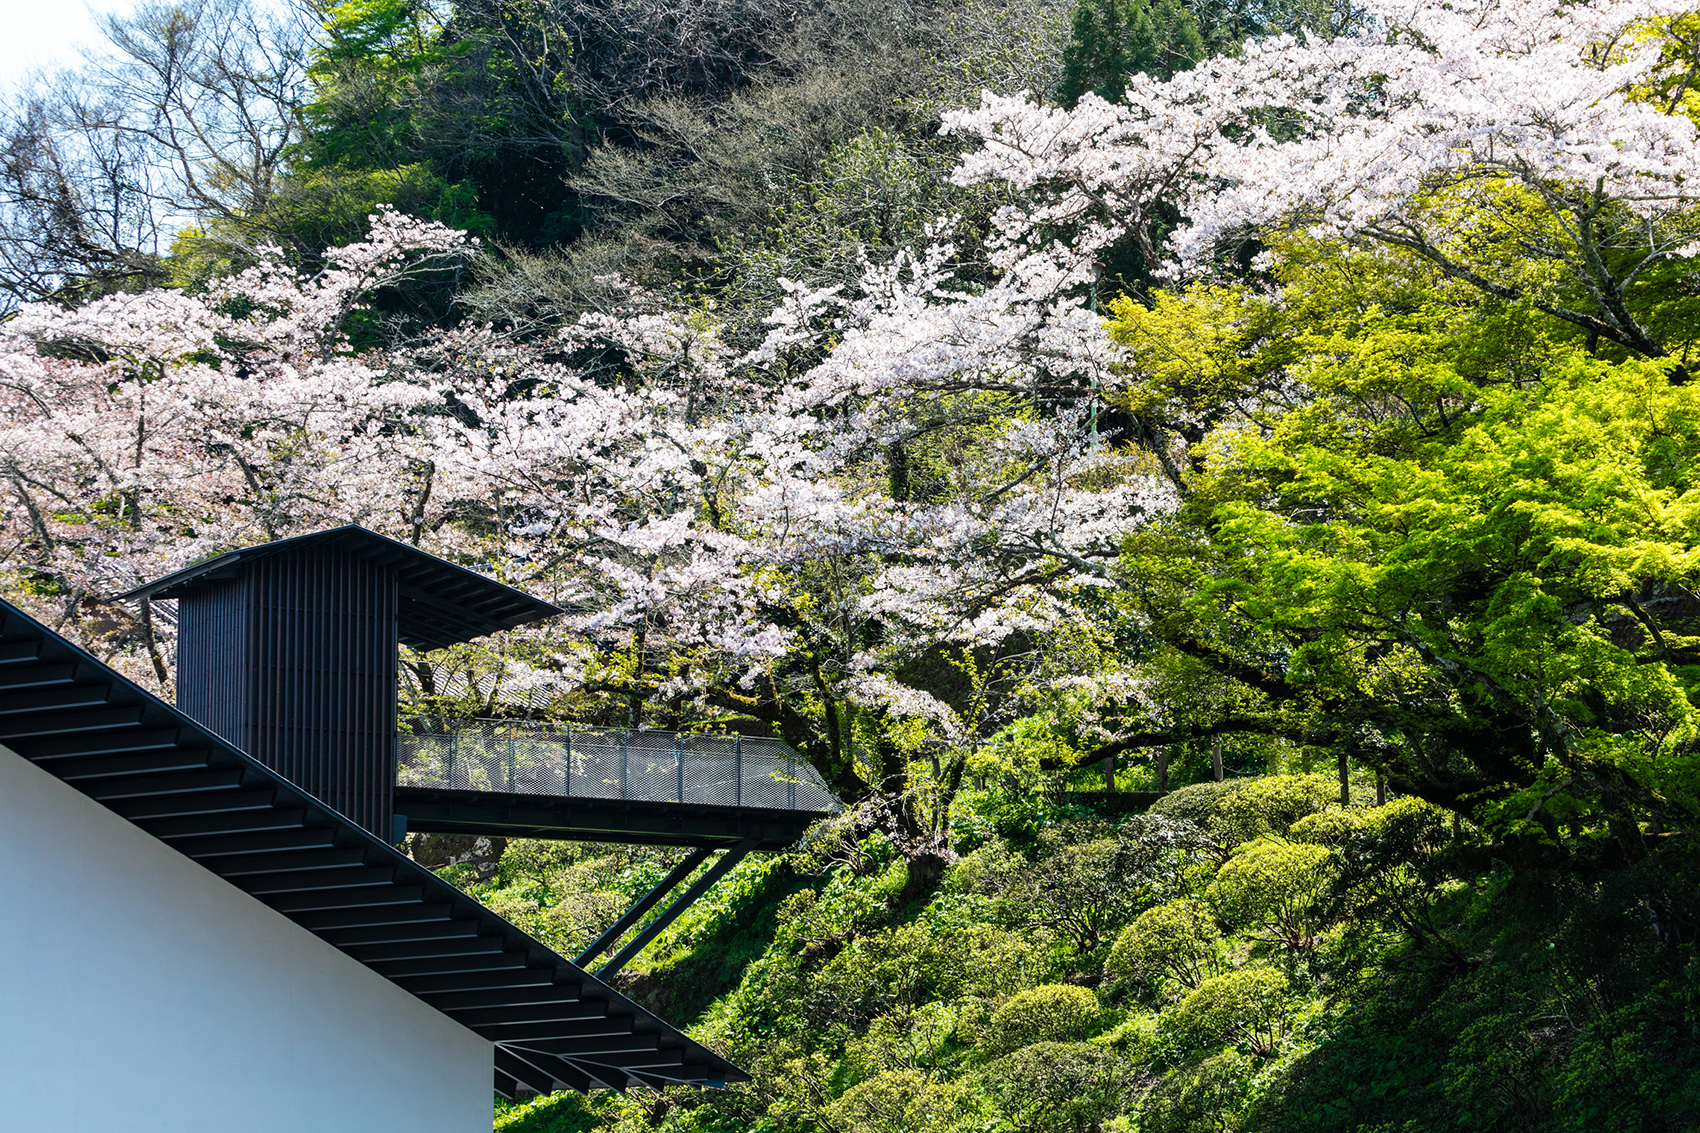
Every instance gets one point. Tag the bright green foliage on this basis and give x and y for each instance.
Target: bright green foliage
(1327, 827)
(1447, 552)
(1047, 1013)
(1392, 871)
(919, 1038)
(906, 1101)
(1197, 803)
(1443, 987)
(1174, 941)
(565, 1112)
(1058, 1087)
(1270, 889)
(1270, 805)
(1087, 889)
(1247, 1007)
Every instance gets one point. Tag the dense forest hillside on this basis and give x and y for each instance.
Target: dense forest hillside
(1285, 408)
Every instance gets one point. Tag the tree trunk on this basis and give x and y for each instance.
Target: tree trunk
(1216, 758)
(1345, 783)
(1109, 773)
(1163, 770)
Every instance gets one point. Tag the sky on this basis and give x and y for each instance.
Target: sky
(46, 33)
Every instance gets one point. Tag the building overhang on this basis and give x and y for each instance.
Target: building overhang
(440, 603)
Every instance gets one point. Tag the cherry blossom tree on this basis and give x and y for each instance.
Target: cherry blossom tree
(892, 527)
(1535, 150)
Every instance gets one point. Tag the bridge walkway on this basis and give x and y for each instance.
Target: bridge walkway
(525, 780)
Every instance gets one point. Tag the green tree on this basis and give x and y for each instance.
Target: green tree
(906, 1101)
(1055, 1086)
(1047, 1013)
(1112, 40)
(1459, 556)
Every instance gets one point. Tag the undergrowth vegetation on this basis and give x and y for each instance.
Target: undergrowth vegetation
(1246, 956)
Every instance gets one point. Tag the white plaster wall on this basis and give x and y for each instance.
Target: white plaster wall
(141, 993)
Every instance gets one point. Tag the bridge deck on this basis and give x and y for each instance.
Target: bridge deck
(652, 787)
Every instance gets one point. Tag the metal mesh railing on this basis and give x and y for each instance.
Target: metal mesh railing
(516, 757)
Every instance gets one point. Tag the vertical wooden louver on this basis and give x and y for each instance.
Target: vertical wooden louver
(294, 661)
(288, 650)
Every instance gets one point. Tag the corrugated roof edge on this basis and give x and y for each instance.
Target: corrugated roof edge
(554, 1024)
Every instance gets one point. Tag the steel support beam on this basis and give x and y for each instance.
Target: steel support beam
(671, 913)
(648, 901)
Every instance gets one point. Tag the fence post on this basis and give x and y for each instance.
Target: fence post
(679, 763)
(625, 758)
(791, 782)
(567, 780)
(454, 748)
(738, 771)
(511, 743)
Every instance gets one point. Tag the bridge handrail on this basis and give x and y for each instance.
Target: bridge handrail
(539, 758)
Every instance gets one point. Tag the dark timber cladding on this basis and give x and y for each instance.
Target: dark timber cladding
(553, 1024)
(294, 662)
(288, 650)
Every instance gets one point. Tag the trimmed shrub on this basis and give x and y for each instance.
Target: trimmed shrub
(1047, 1013)
(906, 1101)
(1271, 889)
(1052, 1087)
(1198, 802)
(1408, 819)
(1175, 941)
(1270, 805)
(565, 1112)
(1248, 1006)
(1333, 826)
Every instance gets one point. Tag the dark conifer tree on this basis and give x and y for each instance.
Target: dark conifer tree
(1112, 40)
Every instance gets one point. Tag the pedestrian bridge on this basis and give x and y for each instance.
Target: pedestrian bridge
(524, 779)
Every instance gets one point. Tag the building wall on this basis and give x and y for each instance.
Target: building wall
(141, 993)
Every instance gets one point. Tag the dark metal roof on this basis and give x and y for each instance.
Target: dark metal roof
(554, 1024)
(441, 604)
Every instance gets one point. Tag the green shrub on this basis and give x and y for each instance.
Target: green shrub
(1196, 1099)
(1090, 889)
(1051, 1087)
(1410, 819)
(1332, 826)
(1271, 889)
(1175, 941)
(1635, 1069)
(916, 963)
(906, 1101)
(1048, 1013)
(1270, 805)
(1198, 802)
(565, 1112)
(1248, 1006)
(902, 1039)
